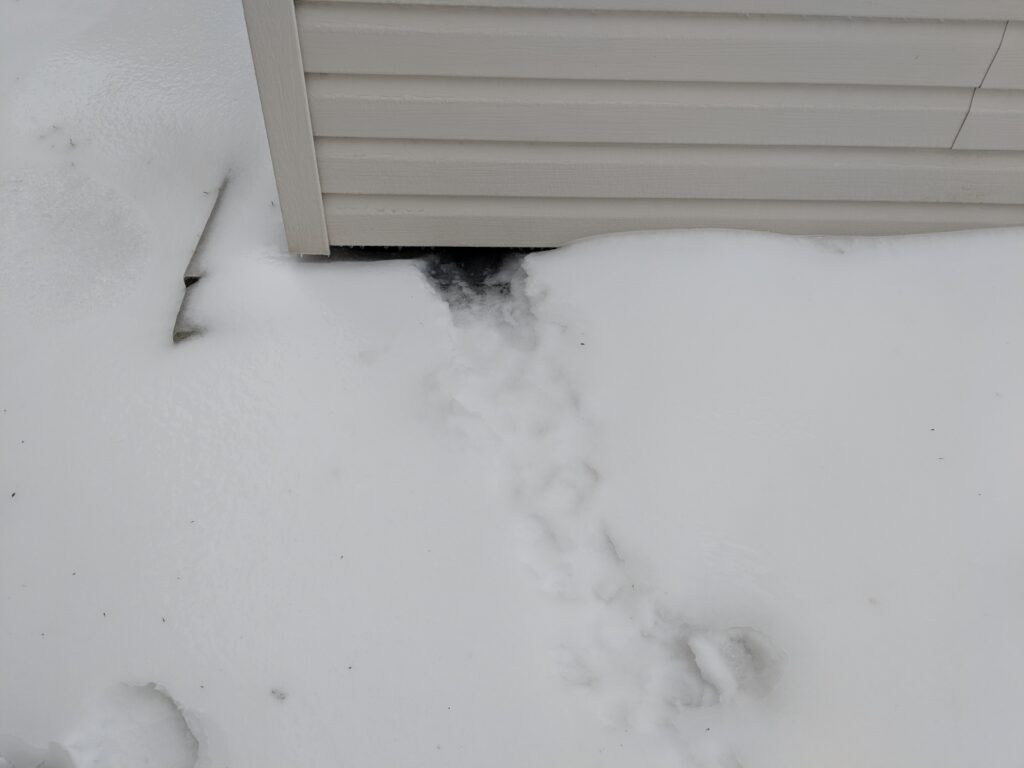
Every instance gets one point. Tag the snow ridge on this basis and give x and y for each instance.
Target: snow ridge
(506, 386)
(129, 725)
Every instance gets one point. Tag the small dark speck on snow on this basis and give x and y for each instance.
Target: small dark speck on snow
(13, 494)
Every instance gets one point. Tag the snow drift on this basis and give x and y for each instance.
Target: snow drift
(705, 498)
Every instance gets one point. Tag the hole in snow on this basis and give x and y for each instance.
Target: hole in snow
(464, 275)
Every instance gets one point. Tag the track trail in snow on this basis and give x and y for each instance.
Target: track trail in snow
(506, 387)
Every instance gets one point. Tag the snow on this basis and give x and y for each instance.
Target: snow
(817, 440)
(690, 498)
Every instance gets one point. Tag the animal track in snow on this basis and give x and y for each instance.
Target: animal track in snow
(507, 388)
(734, 659)
(131, 725)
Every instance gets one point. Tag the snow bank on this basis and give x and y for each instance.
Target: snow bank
(699, 499)
(819, 441)
(770, 481)
(270, 522)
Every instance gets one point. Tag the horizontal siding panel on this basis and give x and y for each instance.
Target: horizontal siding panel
(1007, 69)
(664, 113)
(536, 223)
(998, 10)
(532, 43)
(996, 121)
(493, 169)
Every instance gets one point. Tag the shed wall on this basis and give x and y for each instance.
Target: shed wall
(532, 122)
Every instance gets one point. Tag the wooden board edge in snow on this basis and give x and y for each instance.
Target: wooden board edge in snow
(991, 10)
(539, 223)
(274, 41)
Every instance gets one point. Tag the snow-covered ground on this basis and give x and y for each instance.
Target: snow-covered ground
(699, 499)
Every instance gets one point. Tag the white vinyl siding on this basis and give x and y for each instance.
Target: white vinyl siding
(1007, 71)
(992, 10)
(675, 47)
(996, 121)
(540, 222)
(658, 113)
(274, 40)
(532, 122)
(501, 169)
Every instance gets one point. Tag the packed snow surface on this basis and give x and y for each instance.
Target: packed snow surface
(703, 499)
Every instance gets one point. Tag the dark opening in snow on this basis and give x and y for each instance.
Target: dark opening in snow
(462, 275)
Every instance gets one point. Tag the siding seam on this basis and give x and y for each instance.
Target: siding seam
(974, 93)
(995, 55)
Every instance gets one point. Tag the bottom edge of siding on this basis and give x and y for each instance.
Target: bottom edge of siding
(540, 223)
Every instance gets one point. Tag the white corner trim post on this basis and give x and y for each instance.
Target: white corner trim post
(274, 42)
